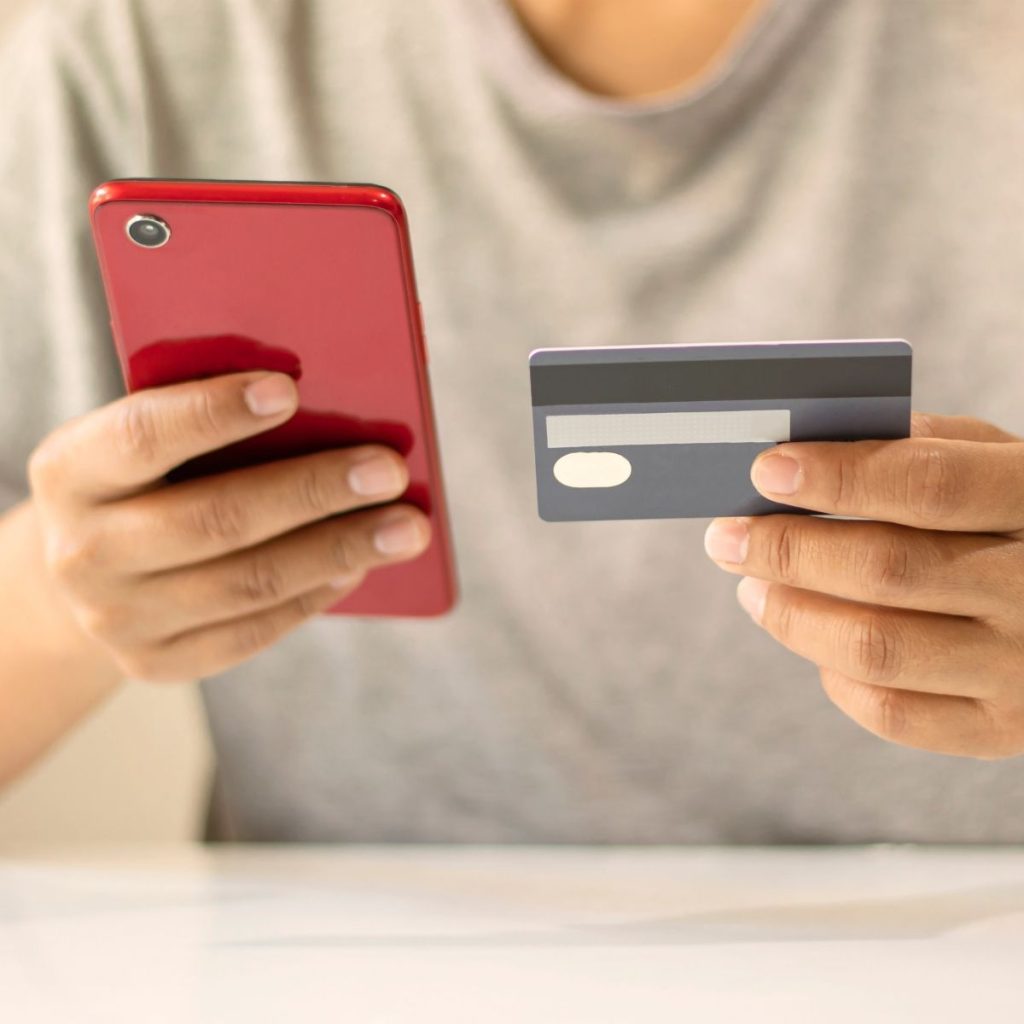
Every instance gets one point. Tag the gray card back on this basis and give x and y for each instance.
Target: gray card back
(670, 431)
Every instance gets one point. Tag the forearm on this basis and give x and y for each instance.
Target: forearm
(51, 673)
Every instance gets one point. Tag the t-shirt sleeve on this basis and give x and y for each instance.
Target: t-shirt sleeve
(65, 127)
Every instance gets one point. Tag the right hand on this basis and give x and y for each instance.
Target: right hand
(183, 580)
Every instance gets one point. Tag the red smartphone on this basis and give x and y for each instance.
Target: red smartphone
(314, 280)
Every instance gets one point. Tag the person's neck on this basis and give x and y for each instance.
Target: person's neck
(632, 49)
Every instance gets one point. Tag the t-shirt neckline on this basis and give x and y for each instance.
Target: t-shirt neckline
(513, 57)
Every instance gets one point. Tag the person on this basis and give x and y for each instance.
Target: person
(576, 174)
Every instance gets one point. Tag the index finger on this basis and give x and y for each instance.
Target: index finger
(960, 428)
(122, 447)
(927, 483)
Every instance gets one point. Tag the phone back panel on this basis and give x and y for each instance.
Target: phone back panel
(311, 280)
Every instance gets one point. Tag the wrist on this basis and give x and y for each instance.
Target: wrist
(51, 672)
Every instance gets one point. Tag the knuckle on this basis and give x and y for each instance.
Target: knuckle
(923, 424)
(933, 484)
(847, 490)
(136, 434)
(260, 582)
(888, 713)
(107, 621)
(785, 618)
(253, 634)
(308, 605)
(219, 518)
(343, 553)
(315, 495)
(204, 415)
(73, 555)
(781, 553)
(43, 465)
(890, 567)
(873, 649)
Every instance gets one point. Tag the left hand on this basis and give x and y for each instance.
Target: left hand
(915, 620)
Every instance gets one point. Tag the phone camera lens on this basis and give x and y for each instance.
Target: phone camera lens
(148, 231)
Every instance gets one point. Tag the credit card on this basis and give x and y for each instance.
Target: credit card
(670, 431)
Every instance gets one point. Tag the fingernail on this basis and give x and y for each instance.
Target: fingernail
(343, 582)
(751, 594)
(727, 540)
(379, 475)
(271, 395)
(777, 474)
(402, 537)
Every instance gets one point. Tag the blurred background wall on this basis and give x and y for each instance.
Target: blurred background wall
(136, 770)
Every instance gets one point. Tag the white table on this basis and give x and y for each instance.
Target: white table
(367, 935)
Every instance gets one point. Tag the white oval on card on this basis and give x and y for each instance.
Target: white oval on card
(592, 469)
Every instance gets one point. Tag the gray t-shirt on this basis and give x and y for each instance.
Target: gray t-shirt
(856, 170)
